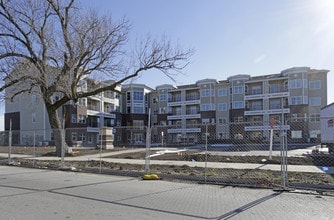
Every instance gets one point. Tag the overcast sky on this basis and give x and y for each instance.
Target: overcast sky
(232, 37)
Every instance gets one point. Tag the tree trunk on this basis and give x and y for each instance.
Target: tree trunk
(57, 127)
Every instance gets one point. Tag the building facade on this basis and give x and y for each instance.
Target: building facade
(29, 121)
(238, 108)
(242, 107)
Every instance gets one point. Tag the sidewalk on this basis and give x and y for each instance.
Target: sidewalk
(47, 194)
(221, 165)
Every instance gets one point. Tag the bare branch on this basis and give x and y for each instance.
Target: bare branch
(50, 46)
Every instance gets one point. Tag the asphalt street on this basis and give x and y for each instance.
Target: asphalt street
(45, 194)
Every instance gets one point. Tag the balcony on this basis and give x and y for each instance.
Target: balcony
(266, 127)
(273, 94)
(254, 92)
(188, 102)
(267, 111)
(192, 97)
(183, 130)
(180, 117)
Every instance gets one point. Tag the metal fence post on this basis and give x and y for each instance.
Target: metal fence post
(284, 155)
(62, 164)
(148, 144)
(10, 142)
(206, 151)
(34, 147)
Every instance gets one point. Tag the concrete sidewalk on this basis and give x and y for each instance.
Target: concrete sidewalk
(221, 165)
(46, 194)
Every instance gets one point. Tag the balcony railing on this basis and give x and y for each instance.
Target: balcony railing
(277, 106)
(254, 108)
(174, 99)
(254, 92)
(92, 124)
(277, 90)
(191, 112)
(192, 97)
(93, 107)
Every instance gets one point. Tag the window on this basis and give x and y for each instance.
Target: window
(207, 107)
(73, 118)
(222, 120)
(138, 96)
(90, 138)
(222, 92)
(238, 89)
(207, 92)
(128, 96)
(315, 101)
(82, 119)
(178, 111)
(177, 98)
(82, 137)
(296, 117)
(238, 104)
(222, 106)
(162, 97)
(74, 136)
(296, 134)
(295, 83)
(305, 83)
(316, 84)
(138, 123)
(33, 117)
(239, 119)
(274, 88)
(315, 133)
(275, 104)
(256, 90)
(315, 118)
(222, 135)
(256, 105)
(296, 100)
(305, 100)
(82, 101)
(205, 120)
(138, 109)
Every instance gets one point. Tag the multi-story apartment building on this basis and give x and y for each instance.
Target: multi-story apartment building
(135, 111)
(30, 121)
(240, 107)
(85, 118)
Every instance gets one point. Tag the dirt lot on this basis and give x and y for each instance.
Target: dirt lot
(262, 178)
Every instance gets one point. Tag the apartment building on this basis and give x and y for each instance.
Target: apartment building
(83, 120)
(135, 114)
(240, 107)
(86, 118)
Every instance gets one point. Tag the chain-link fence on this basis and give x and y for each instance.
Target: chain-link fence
(310, 158)
(265, 154)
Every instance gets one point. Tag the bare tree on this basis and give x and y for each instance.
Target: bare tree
(64, 44)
